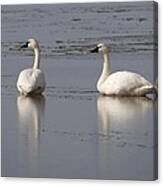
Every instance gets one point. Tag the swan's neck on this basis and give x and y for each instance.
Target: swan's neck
(105, 70)
(36, 63)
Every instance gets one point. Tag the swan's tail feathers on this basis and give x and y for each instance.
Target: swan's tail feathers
(25, 90)
(147, 90)
(153, 91)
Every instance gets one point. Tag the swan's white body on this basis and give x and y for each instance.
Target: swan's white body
(125, 83)
(121, 83)
(32, 80)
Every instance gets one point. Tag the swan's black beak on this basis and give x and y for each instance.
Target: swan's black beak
(95, 50)
(25, 45)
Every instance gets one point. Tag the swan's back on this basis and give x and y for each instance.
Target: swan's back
(31, 81)
(124, 83)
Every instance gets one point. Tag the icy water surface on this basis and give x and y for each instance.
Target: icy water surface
(72, 131)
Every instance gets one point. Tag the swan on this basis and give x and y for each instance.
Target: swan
(120, 83)
(31, 80)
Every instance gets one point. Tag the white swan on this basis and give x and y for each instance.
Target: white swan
(32, 80)
(121, 83)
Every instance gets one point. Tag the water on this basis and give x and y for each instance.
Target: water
(72, 131)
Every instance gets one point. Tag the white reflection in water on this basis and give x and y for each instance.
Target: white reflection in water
(30, 114)
(125, 124)
(121, 110)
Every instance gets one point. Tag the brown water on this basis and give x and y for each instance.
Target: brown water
(72, 131)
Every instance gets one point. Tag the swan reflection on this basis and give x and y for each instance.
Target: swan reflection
(30, 115)
(121, 111)
(126, 125)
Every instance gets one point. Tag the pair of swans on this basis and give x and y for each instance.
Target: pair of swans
(121, 83)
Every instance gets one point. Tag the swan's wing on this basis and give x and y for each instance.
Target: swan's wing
(124, 81)
(29, 80)
(23, 83)
(38, 78)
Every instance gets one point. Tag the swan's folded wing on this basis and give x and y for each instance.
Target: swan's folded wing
(124, 82)
(39, 79)
(29, 80)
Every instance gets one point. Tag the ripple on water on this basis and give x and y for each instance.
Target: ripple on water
(72, 93)
(93, 137)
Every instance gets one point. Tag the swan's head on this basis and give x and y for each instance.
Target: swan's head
(31, 43)
(101, 48)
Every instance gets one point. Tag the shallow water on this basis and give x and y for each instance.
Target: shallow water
(72, 131)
